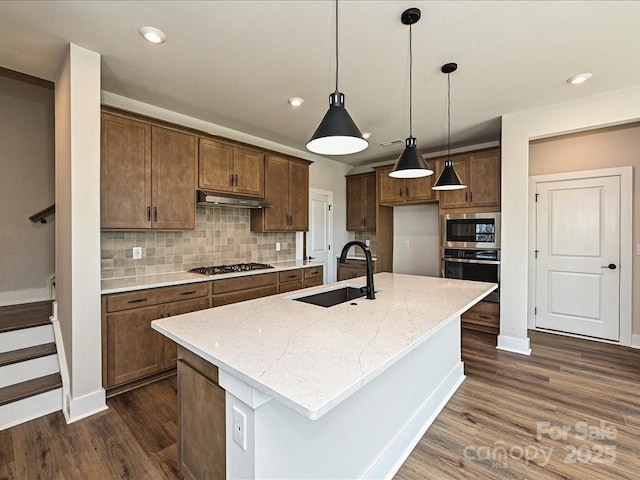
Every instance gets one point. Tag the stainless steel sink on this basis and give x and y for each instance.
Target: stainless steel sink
(332, 297)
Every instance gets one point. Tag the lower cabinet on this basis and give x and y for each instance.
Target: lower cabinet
(353, 268)
(313, 276)
(483, 316)
(239, 289)
(201, 437)
(290, 280)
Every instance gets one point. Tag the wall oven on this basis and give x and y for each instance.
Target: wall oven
(472, 264)
(471, 230)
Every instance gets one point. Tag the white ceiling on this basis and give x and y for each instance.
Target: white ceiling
(235, 63)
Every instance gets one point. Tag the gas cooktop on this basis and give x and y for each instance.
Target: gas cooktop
(236, 267)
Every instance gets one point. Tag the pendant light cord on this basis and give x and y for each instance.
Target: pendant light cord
(337, 61)
(410, 82)
(449, 116)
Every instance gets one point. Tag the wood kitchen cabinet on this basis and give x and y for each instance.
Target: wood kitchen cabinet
(147, 175)
(132, 350)
(483, 316)
(361, 202)
(481, 172)
(404, 191)
(353, 268)
(313, 276)
(287, 189)
(227, 168)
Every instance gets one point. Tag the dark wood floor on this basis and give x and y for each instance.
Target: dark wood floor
(486, 431)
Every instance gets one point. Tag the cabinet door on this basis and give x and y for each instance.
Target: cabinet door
(215, 166)
(134, 349)
(202, 424)
(370, 202)
(390, 190)
(298, 196)
(419, 189)
(356, 194)
(125, 173)
(276, 192)
(170, 349)
(248, 171)
(173, 166)
(457, 198)
(484, 179)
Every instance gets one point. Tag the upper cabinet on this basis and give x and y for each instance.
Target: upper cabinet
(286, 187)
(229, 168)
(481, 173)
(147, 175)
(361, 202)
(399, 191)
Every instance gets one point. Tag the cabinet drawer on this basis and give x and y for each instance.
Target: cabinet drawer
(290, 276)
(483, 313)
(155, 296)
(242, 295)
(312, 282)
(313, 272)
(289, 286)
(243, 283)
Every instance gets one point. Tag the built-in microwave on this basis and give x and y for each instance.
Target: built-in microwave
(471, 230)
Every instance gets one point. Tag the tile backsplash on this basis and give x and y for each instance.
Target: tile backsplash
(221, 236)
(363, 237)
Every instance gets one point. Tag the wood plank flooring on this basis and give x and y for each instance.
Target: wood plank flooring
(489, 429)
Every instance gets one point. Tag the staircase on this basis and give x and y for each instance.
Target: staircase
(30, 382)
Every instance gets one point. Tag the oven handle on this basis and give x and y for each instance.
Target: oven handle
(471, 260)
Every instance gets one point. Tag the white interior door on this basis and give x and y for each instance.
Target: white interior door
(320, 236)
(578, 256)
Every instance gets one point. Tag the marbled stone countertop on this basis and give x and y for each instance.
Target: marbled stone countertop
(129, 284)
(311, 358)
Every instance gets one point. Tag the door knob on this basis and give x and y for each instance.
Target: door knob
(611, 266)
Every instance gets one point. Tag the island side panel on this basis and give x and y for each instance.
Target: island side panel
(369, 435)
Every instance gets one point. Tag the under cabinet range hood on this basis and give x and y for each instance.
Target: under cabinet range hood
(207, 199)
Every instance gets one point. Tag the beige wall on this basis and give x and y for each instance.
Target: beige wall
(26, 187)
(603, 148)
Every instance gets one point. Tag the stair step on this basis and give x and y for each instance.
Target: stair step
(15, 317)
(30, 353)
(30, 388)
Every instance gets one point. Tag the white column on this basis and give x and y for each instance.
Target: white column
(77, 132)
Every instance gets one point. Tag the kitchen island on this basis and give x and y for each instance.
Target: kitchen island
(340, 392)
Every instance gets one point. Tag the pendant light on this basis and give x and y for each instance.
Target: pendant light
(411, 163)
(337, 133)
(449, 179)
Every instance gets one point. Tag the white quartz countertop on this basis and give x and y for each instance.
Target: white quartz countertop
(129, 284)
(311, 358)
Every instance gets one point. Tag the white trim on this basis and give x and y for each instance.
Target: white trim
(26, 337)
(635, 340)
(626, 242)
(85, 406)
(17, 297)
(62, 359)
(330, 265)
(30, 408)
(514, 344)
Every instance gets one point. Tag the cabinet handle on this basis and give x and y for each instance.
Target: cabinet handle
(155, 214)
(137, 300)
(190, 292)
(466, 196)
(236, 180)
(292, 276)
(485, 317)
(231, 180)
(407, 191)
(400, 191)
(148, 214)
(471, 196)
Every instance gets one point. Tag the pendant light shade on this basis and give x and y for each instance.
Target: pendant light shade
(337, 134)
(449, 179)
(411, 163)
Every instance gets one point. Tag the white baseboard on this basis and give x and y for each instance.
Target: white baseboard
(28, 370)
(26, 337)
(24, 296)
(22, 411)
(635, 341)
(85, 406)
(513, 344)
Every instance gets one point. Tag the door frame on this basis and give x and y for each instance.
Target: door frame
(331, 274)
(626, 246)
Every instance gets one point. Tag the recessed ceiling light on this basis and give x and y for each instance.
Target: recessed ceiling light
(579, 79)
(366, 134)
(152, 34)
(296, 101)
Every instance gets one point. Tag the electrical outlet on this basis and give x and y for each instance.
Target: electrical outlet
(239, 428)
(278, 247)
(137, 252)
(406, 244)
(367, 243)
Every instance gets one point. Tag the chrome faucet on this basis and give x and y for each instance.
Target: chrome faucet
(369, 289)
